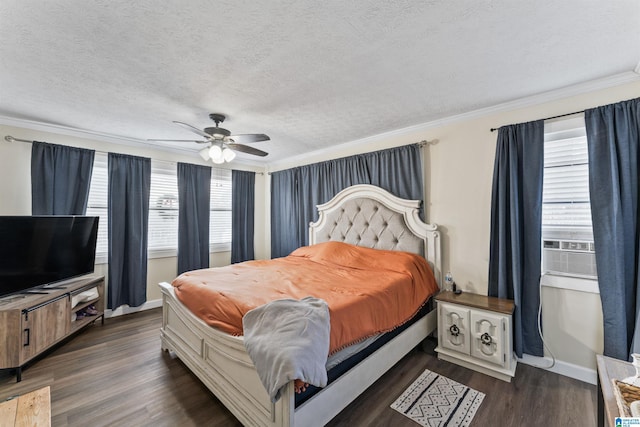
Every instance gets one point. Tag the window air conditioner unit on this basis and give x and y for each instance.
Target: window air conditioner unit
(569, 258)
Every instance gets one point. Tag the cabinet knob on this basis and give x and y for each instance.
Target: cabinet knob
(486, 339)
(455, 331)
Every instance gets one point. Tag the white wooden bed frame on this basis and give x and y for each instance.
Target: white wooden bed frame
(362, 214)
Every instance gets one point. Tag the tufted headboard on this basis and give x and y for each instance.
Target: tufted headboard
(366, 215)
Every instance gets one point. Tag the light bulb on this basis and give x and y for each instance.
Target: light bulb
(215, 152)
(204, 153)
(228, 154)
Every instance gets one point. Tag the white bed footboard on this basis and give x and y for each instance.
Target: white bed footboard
(220, 361)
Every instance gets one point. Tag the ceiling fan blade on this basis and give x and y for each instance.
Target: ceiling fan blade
(193, 129)
(247, 149)
(179, 140)
(248, 138)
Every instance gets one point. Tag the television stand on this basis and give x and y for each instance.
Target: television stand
(36, 321)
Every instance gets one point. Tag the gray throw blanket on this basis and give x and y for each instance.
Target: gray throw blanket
(287, 340)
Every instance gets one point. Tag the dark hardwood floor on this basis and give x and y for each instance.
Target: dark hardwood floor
(117, 375)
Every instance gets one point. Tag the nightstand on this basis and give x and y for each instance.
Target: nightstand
(474, 331)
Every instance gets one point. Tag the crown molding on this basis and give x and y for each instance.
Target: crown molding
(565, 92)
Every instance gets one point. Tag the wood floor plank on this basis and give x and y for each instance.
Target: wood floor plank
(117, 374)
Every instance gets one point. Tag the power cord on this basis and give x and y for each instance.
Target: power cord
(544, 343)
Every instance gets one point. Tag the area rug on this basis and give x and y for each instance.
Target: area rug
(433, 400)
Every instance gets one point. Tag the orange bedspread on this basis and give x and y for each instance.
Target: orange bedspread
(369, 291)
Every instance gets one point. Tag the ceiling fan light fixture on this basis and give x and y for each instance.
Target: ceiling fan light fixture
(228, 154)
(204, 153)
(215, 152)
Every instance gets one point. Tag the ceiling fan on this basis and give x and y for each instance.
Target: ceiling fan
(222, 145)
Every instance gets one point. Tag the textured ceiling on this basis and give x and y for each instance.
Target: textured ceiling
(309, 74)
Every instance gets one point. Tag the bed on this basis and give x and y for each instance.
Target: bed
(362, 215)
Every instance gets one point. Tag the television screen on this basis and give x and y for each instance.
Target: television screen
(40, 250)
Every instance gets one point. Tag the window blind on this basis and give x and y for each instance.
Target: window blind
(220, 217)
(566, 209)
(98, 202)
(163, 206)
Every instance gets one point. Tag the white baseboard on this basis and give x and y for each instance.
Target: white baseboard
(563, 368)
(125, 309)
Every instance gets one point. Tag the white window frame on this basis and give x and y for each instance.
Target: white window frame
(581, 227)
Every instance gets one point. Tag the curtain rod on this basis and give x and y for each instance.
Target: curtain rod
(9, 138)
(552, 117)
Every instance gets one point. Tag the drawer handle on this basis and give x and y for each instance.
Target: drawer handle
(455, 331)
(486, 339)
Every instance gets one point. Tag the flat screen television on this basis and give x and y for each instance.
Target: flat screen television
(43, 250)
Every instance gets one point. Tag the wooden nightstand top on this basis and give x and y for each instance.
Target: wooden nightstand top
(483, 302)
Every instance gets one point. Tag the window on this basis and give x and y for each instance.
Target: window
(163, 208)
(220, 216)
(566, 210)
(98, 202)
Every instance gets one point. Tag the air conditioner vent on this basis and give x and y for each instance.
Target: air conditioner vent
(569, 258)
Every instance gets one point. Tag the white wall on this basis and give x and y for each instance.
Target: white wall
(458, 179)
(15, 190)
